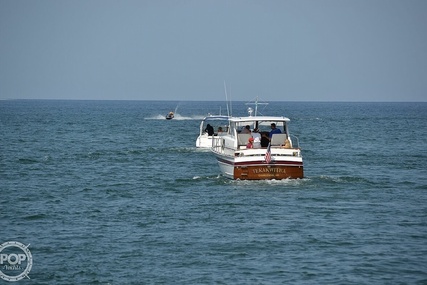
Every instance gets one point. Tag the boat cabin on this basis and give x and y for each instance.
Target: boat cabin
(239, 136)
(219, 126)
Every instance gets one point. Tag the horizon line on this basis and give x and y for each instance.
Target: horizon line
(189, 100)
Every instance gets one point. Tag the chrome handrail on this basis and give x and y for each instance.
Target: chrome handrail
(297, 140)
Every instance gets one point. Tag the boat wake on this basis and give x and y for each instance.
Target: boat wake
(177, 117)
(274, 182)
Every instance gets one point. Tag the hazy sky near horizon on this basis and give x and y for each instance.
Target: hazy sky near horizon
(283, 50)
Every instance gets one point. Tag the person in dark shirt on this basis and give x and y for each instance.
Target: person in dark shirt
(266, 139)
(210, 130)
(274, 130)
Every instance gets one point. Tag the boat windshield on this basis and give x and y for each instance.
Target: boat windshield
(266, 126)
(220, 125)
(262, 126)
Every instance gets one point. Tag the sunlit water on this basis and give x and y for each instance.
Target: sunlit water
(109, 192)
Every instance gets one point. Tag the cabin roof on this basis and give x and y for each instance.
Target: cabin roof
(215, 117)
(259, 118)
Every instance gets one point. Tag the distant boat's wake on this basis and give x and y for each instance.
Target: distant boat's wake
(177, 117)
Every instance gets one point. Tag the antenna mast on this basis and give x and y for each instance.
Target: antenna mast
(256, 103)
(229, 111)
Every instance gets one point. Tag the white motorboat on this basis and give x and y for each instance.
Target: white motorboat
(211, 126)
(278, 156)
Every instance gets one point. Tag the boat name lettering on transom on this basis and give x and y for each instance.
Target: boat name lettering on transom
(268, 170)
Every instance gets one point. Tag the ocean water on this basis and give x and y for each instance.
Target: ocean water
(109, 192)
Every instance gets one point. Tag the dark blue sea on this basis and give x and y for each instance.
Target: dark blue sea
(109, 192)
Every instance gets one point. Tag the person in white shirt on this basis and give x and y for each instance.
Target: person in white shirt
(257, 138)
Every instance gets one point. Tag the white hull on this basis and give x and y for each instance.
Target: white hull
(251, 164)
(279, 158)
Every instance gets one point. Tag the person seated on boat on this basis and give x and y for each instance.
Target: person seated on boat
(210, 130)
(287, 144)
(257, 138)
(219, 130)
(273, 131)
(250, 143)
(264, 141)
(246, 130)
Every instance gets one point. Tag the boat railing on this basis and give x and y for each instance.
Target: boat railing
(217, 144)
(294, 139)
(221, 145)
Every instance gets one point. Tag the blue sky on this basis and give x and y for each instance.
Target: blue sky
(279, 50)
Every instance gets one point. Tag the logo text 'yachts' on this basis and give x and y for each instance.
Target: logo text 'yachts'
(15, 261)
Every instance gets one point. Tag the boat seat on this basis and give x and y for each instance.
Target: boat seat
(278, 139)
(243, 138)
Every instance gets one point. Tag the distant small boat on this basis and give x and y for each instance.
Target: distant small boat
(169, 116)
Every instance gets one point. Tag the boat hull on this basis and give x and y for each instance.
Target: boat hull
(204, 141)
(259, 170)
